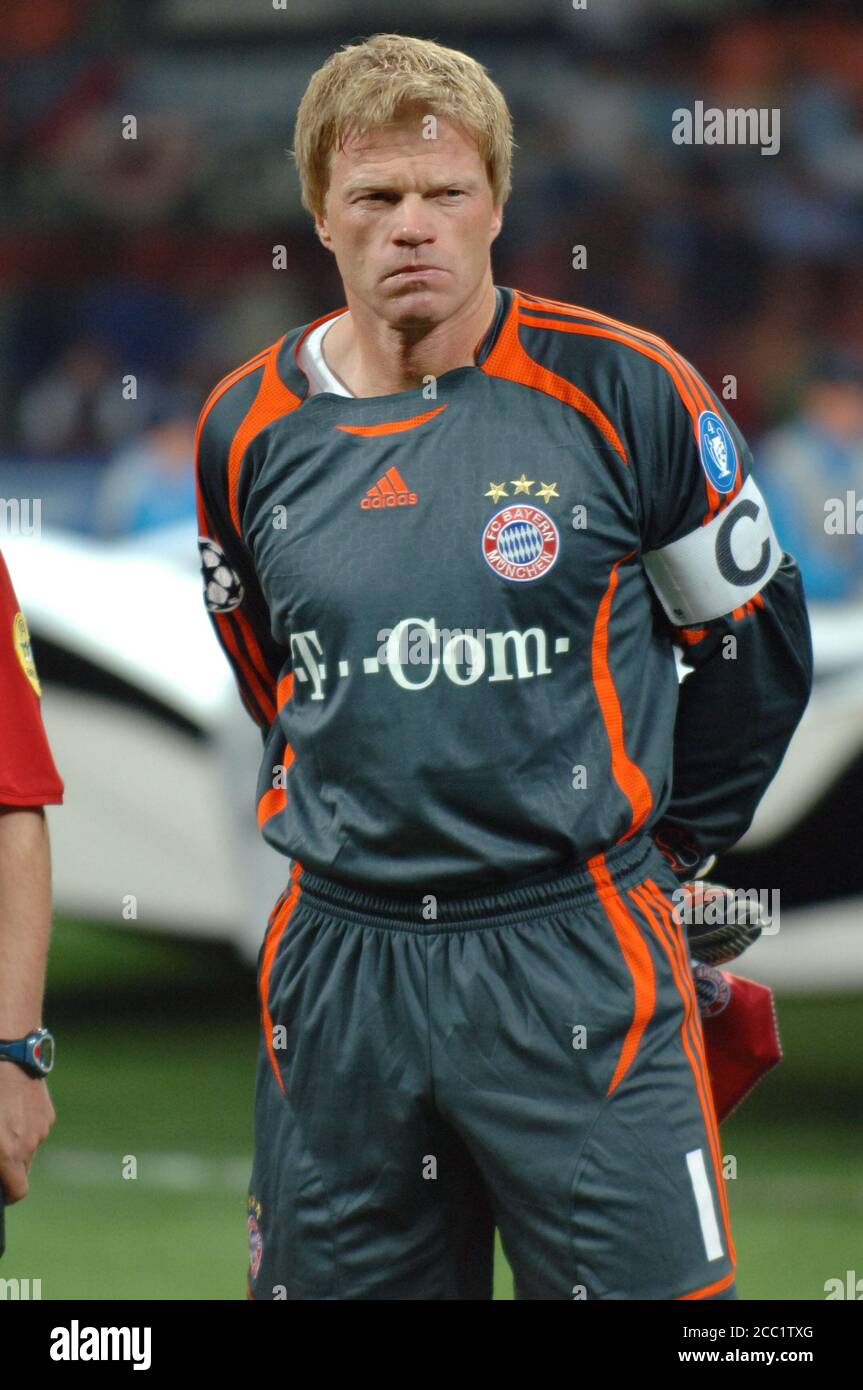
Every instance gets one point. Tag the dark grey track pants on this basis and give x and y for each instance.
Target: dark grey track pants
(530, 1059)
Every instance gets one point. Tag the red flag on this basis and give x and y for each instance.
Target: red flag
(741, 1034)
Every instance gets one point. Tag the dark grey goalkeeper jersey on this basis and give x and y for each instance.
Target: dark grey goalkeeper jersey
(457, 612)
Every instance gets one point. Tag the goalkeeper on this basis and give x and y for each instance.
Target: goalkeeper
(456, 540)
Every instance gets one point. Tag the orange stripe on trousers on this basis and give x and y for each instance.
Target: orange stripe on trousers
(274, 935)
(638, 961)
(709, 1289)
(650, 899)
(677, 932)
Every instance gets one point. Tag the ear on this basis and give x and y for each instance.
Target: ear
(323, 231)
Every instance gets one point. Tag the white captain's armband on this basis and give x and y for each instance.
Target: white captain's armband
(717, 567)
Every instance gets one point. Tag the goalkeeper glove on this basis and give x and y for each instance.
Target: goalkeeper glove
(719, 925)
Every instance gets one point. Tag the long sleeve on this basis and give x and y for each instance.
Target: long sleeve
(232, 594)
(737, 712)
(733, 600)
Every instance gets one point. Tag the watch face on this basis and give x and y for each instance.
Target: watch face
(43, 1053)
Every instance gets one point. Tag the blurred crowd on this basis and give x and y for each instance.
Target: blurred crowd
(136, 272)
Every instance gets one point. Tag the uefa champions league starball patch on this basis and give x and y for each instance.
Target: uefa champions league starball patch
(223, 590)
(520, 543)
(717, 451)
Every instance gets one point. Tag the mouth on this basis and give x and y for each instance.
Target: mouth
(415, 272)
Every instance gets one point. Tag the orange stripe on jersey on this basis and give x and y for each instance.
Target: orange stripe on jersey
(221, 387)
(641, 334)
(700, 396)
(276, 799)
(254, 669)
(695, 397)
(226, 383)
(285, 690)
(273, 399)
(627, 774)
(748, 607)
(263, 695)
(589, 331)
(256, 654)
(509, 360)
(638, 961)
(274, 935)
(394, 427)
(709, 1289)
(669, 934)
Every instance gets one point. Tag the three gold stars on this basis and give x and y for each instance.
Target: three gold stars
(522, 484)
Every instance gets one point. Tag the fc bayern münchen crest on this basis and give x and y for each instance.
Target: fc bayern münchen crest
(520, 543)
(712, 990)
(256, 1245)
(718, 454)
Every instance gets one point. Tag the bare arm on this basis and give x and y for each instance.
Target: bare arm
(26, 1112)
(25, 917)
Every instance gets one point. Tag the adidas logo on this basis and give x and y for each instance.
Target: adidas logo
(390, 490)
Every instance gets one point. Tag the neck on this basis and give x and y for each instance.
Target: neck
(376, 358)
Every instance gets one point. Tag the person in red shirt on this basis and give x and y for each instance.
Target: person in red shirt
(28, 782)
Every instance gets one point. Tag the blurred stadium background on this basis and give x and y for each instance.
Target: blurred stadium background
(153, 257)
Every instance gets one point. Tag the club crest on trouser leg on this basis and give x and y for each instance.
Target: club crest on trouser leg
(256, 1240)
(712, 990)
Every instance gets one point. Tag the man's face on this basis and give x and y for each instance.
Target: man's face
(396, 199)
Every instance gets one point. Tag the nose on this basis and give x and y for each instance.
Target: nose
(414, 224)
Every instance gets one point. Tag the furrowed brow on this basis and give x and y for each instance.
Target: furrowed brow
(384, 186)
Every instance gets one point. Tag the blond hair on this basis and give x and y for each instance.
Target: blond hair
(368, 85)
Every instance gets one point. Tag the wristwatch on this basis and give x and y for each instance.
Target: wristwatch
(35, 1053)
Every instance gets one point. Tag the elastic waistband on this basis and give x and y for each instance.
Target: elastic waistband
(627, 864)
